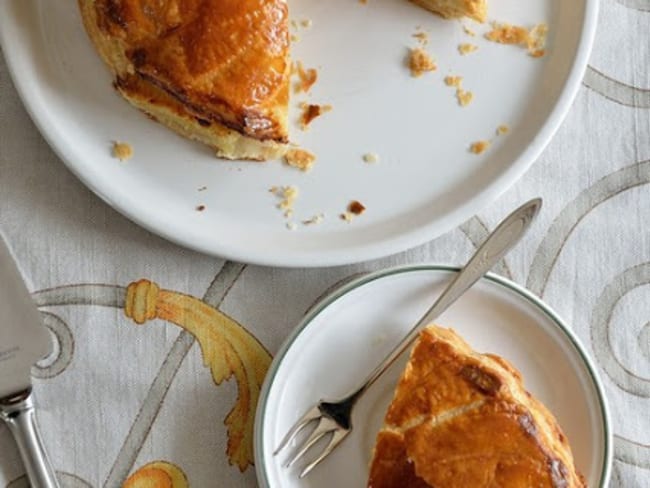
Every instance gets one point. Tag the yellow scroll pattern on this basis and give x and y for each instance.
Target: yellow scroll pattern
(228, 349)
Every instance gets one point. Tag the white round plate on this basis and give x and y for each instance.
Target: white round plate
(426, 181)
(347, 334)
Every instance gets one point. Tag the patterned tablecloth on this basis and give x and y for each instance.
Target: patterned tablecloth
(138, 389)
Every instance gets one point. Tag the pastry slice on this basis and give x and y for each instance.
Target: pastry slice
(475, 9)
(463, 419)
(212, 70)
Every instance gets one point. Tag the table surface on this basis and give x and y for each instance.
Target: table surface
(129, 397)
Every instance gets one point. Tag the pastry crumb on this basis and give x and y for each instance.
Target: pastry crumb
(537, 40)
(420, 62)
(356, 207)
(294, 38)
(299, 158)
(534, 40)
(307, 77)
(422, 37)
(287, 196)
(371, 157)
(200, 208)
(464, 97)
(202, 188)
(479, 147)
(507, 34)
(468, 31)
(310, 112)
(466, 48)
(455, 81)
(122, 150)
(306, 23)
(315, 220)
(503, 129)
(291, 225)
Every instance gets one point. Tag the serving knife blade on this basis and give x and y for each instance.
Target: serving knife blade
(23, 341)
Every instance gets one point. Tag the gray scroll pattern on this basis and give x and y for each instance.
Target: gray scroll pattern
(601, 322)
(611, 88)
(548, 252)
(615, 90)
(63, 348)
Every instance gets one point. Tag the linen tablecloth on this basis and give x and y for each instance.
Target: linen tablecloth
(131, 397)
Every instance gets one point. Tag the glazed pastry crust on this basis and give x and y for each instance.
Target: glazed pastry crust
(212, 70)
(460, 418)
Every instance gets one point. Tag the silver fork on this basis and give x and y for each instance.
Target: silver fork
(335, 417)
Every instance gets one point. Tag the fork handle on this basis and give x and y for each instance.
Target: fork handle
(498, 243)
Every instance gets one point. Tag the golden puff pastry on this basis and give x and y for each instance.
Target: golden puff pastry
(463, 419)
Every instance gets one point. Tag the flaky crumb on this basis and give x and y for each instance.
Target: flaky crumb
(468, 31)
(306, 23)
(534, 40)
(464, 97)
(122, 151)
(466, 48)
(356, 207)
(507, 34)
(422, 37)
(294, 38)
(315, 220)
(299, 158)
(307, 77)
(287, 196)
(420, 62)
(503, 129)
(479, 147)
(203, 188)
(200, 208)
(310, 112)
(455, 81)
(291, 225)
(371, 157)
(537, 40)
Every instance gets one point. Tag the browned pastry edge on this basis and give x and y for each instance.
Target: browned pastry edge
(236, 138)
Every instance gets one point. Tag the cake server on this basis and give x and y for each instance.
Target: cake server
(23, 341)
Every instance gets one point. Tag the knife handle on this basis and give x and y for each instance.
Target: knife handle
(18, 413)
